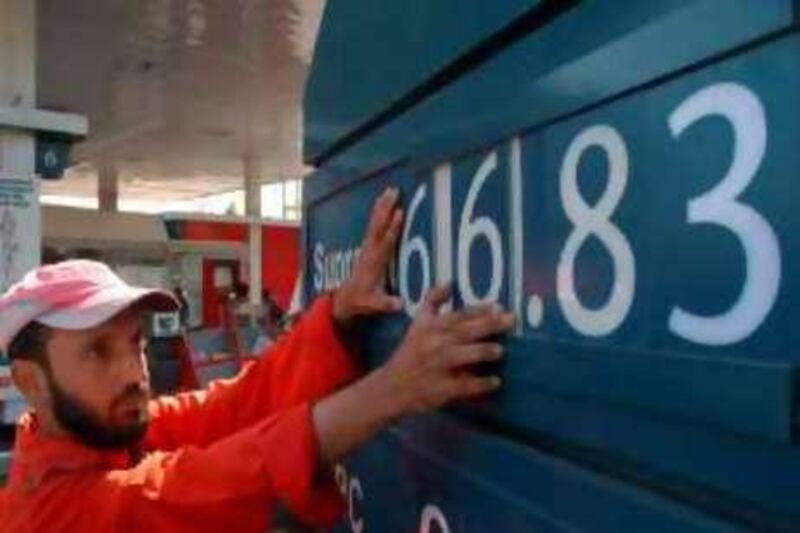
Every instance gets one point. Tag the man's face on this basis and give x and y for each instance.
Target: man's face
(98, 382)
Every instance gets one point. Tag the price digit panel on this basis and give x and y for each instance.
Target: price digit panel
(664, 221)
(648, 247)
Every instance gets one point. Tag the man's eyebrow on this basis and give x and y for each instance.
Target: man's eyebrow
(131, 328)
(99, 334)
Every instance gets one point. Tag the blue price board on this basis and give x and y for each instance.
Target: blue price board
(402, 32)
(667, 209)
(646, 246)
(438, 476)
(587, 53)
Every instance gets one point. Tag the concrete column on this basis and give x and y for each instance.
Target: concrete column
(107, 187)
(252, 202)
(20, 213)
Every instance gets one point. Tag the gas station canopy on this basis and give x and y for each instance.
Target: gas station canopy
(177, 92)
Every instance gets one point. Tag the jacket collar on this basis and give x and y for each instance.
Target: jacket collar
(37, 455)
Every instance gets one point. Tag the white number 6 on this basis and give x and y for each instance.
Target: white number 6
(408, 247)
(720, 206)
(433, 515)
(469, 232)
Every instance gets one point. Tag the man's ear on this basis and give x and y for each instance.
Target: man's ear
(29, 378)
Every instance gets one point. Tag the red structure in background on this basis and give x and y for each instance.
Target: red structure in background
(280, 244)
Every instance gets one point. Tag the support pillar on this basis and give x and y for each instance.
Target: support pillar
(252, 200)
(20, 213)
(108, 188)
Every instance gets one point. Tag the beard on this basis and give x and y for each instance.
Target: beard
(83, 424)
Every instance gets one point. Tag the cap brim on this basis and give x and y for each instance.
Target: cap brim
(104, 305)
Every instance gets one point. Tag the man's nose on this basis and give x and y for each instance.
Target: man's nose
(132, 367)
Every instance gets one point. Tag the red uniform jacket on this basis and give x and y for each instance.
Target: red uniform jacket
(215, 460)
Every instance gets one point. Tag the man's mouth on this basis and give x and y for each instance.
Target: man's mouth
(131, 409)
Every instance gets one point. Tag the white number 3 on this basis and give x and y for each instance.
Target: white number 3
(720, 206)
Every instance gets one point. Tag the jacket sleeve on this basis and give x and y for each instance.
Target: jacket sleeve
(306, 365)
(236, 480)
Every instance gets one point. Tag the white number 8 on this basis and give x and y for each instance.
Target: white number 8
(595, 220)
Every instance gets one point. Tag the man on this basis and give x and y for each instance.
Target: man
(183, 306)
(270, 324)
(96, 454)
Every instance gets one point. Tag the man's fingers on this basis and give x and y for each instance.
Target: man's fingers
(382, 214)
(468, 386)
(456, 317)
(435, 298)
(389, 238)
(473, 354)
(387, 208)
(387, 304)
(483, 325)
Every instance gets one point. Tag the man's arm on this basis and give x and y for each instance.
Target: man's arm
(311, 362)
(232, 483)
(307, 364)
(430, 368)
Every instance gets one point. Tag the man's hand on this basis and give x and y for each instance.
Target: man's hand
(429, 369)
(364, 293)
(432, 365)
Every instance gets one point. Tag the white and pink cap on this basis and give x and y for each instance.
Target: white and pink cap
(76, 294)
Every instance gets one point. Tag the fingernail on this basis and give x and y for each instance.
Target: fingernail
(497, 350)
(496, 382)
(509, 319)
(497, 309)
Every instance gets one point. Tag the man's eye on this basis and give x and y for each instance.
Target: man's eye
(98, 351)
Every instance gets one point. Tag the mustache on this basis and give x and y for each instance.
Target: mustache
(132, 392)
